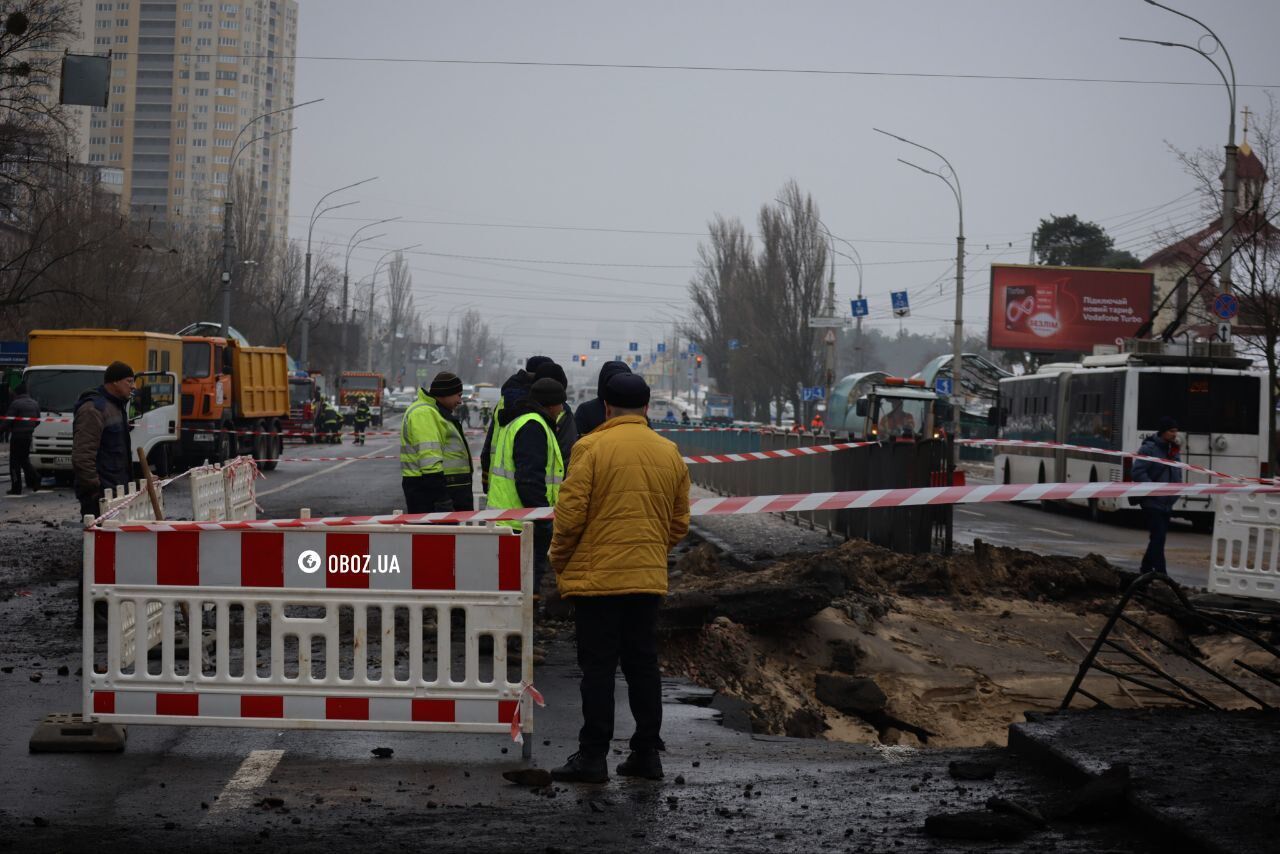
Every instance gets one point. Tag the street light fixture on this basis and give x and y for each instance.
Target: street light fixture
(226, 210)
(1229, 172)
(952, 180)
(316, 213)
(352, 243)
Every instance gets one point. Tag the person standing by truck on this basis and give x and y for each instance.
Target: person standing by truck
(101, 453)
(20, 421)
(1161, 445)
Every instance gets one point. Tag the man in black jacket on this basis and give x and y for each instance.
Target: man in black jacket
(101, 453)
(590, 415)
(566, 426)
(19, 424)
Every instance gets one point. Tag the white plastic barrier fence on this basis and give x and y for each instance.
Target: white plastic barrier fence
(374, 627)
(1245, 556)
(131, 503)
(241, 500)
(208, 494)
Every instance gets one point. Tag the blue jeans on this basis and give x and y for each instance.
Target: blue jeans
(1158, 527)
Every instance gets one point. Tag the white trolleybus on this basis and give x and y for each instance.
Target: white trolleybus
(1112, 402)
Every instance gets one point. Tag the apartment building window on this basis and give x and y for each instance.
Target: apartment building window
(222, 159)
(104, 7)
(117, 140)
(104, 23)
(186, 23)
(228, 75)
(226, 108)
(223, 126)
(97, 140)
(199, 143)
(117, 72)
(122, 7)
(98, 123)
(204, 25)
(182, 124)
(182, 108)
(219, 177)
(202, 93)
(117, 108)
(116, 156)
(97, 158)
(217, 193)
(222, 143)
(185, 40)
(230, 8)
(122, 22)
(199, 125)
(179, 158)
(177, 191)
(202, 108)
(203, 42)
(224, 41)
(198, 159)
(117, 123)
(102, 40)
(227, 92)
(229, 25)
(117, 90)
(206, 7)
(122, 39)
(178, 175)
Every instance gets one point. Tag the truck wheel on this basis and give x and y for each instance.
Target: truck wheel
(274, 447)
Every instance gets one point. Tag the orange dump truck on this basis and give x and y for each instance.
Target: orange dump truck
(235, 400)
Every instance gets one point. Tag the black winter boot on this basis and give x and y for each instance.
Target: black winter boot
(642, 763)
(582, 768)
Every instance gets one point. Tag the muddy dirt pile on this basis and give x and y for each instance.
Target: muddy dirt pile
(862, 644)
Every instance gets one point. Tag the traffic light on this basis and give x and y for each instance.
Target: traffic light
(699, 360)
(583, 359)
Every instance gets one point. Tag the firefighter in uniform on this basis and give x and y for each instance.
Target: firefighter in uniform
(331, 423)
(527, 467)
(435, 462)
(362, 418)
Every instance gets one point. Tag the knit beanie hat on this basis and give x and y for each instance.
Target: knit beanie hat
(1166, 422)
(117, 371)
(550, 370)
(547, 392)
(608, 371)
(627, 391)
(531, 364)
(445, 384)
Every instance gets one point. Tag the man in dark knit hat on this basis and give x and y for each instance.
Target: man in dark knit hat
(590, 415)
(515, 388)
(101, 453)
(566, 427)
(527, 466)
(624, 504)
(435, 462)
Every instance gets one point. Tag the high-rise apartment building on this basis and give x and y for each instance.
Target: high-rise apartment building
(186, 79)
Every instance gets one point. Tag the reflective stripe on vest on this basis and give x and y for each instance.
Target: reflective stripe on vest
(503, 494)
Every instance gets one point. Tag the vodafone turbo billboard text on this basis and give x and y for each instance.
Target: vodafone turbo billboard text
(1065, 308)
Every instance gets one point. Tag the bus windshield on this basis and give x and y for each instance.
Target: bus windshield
(1200, 402)
(58, 390)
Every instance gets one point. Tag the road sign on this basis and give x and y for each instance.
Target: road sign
(662, 347)
(633, 346)
(573, 359)
(830, 337)
(826, 322)
(733, 343)
(636, 358)
(942, 385)
(859, 307)
(1226, 306)
(1224, 331)
(595, 345)
(693, 348)
(618, 358)
(815, 392)
(901, 306)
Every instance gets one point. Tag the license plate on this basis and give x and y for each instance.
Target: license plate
(62, 461)
(203, 437)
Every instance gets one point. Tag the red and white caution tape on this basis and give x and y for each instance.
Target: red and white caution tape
(780, 454)
(525, 688)
(868, 499)
(1055, 446)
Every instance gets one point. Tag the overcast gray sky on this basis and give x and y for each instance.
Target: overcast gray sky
(615, 172)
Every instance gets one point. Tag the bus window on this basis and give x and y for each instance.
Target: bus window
(1201, 403)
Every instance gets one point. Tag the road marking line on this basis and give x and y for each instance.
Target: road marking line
(1051, 531)
(253, 772)
(970, 513)
(333, 468)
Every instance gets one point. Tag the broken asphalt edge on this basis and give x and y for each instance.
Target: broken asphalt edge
(1031, 740)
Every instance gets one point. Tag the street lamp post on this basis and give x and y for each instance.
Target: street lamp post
(1229, 171)
(227, 239)
(952, 180)
(373, 287)
(352, 243)
(316, 213)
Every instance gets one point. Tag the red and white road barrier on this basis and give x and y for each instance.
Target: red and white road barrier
(780, 454)
(868, 499)
(1056, 446)
(361, 587)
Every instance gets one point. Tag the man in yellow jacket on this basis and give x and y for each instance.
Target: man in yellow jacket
(623, 505)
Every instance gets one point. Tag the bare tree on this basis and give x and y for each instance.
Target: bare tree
(720, 291)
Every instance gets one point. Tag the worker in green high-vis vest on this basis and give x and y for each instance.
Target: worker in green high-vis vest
(527, 468)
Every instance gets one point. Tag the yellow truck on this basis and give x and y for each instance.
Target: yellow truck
(235, 400)
(64, 363)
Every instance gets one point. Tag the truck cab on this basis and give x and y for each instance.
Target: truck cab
(353, 385)
(303, 394)
(234, 398)
(899, 410)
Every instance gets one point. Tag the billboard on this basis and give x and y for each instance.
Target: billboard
(1065, 308)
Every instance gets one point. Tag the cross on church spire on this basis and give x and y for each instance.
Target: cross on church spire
(1246, 112)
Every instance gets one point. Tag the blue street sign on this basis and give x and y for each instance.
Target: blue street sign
(693, 348)
(1226, 306)
(636, 357)
(618, 358)
(595, 345)
(733, 343)
(817, 392)
(662, 347)
(633, 346)
(901, 307)
(573, 360)
(859, 307)
(942, 385)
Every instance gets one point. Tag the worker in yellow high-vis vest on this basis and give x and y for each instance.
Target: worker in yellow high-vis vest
(527, 468)
(435, 462)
